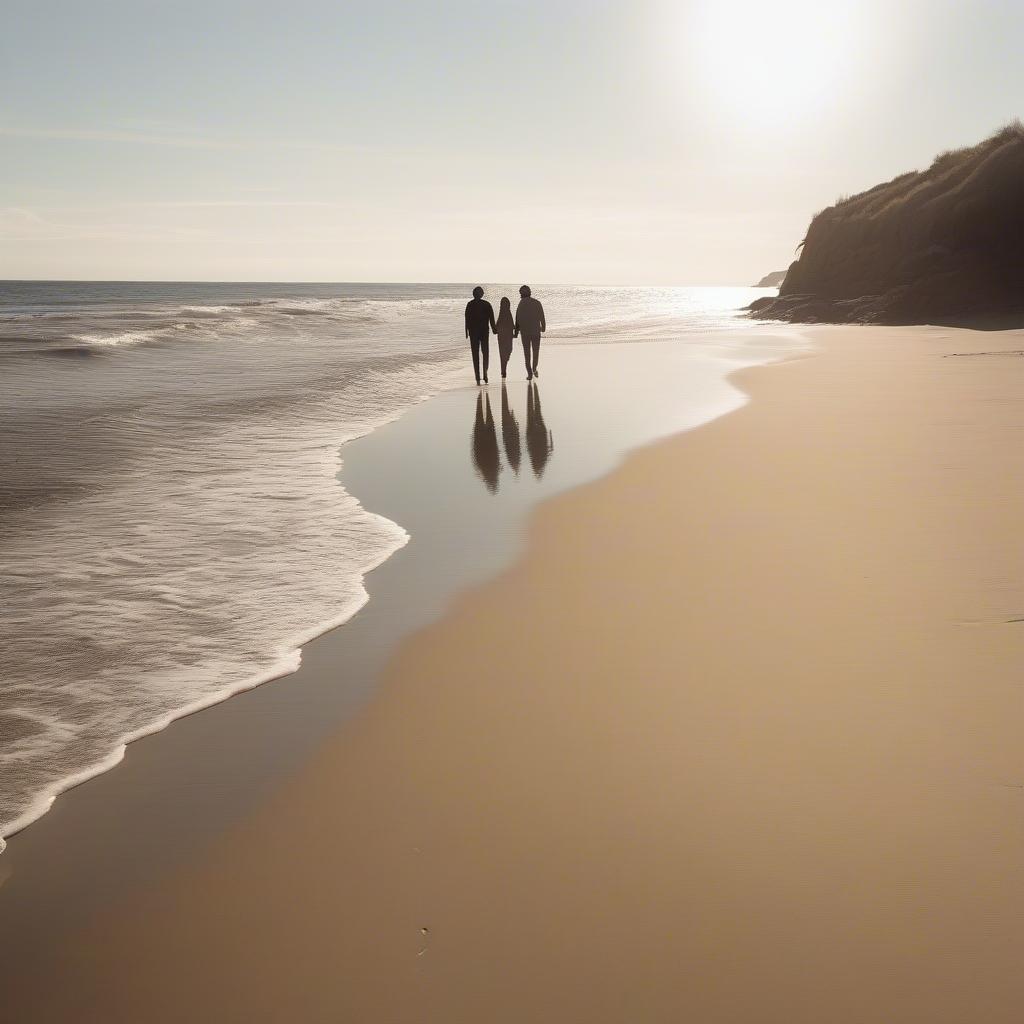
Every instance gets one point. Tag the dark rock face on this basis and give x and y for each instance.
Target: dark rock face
(937, 246)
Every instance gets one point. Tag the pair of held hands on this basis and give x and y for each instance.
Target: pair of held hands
(515, 333)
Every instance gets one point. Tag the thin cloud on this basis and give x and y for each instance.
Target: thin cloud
(182, 204)
(146, 138)
(22, 224)
(115, 135)
(258, 204)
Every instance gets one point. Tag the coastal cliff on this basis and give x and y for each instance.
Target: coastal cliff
(941, 245)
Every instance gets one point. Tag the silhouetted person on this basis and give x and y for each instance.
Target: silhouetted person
(539, 442)
(485, 444)
(510, 432)
(506, 331)
(479, 322)
(531, 325)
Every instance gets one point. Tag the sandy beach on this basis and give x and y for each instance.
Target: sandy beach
(737, 739)
(510, 513)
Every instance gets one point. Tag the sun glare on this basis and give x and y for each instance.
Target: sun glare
(781, 61)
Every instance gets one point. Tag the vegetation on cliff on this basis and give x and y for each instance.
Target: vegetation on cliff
(941, 245)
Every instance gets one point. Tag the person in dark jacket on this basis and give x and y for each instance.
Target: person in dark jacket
(479, 324)
(531, 325)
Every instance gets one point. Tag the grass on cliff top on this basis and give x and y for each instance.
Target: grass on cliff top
(950, 174)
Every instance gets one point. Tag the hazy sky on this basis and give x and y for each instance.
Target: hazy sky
(658, 142)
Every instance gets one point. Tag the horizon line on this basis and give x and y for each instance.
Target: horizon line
(214, 280)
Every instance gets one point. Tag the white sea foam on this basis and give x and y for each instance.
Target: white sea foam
(114, 340)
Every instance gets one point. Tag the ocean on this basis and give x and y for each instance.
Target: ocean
(172, 529)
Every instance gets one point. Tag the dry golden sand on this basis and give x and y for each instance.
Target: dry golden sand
(740, 739)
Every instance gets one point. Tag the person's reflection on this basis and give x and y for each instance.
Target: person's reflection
(510, 432)
(485, 444)
(539, 442)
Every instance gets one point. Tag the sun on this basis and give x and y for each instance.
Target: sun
(782, 61)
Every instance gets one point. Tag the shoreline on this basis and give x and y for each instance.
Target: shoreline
(289, 662)
(288, 657)
(757, 754)
(154, 798)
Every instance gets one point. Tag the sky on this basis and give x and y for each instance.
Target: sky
(678, 142)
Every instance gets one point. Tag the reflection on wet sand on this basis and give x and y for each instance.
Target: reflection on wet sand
(485, 443)
(510, 432)
(539, 440)
(486, 453)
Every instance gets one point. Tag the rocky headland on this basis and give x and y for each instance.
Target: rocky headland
(944, 245)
